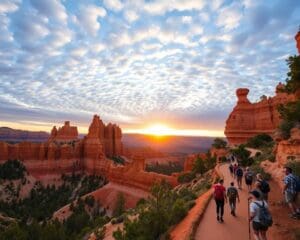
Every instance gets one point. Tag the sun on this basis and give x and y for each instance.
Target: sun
(158, 130)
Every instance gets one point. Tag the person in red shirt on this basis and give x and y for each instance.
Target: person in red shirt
(220, 198)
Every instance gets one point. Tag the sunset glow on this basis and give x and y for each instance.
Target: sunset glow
(160, 130)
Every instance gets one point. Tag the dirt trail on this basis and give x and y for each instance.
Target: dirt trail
(233, 228)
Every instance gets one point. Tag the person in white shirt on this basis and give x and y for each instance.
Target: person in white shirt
(260, 231)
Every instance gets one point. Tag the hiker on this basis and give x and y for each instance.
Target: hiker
(290, 191)
(220, 198)
(232, 195)
(239, 176)
(231, 169)
(260, 216)
(257, 186)
(235, 166)
(264, 186)
(249, 177)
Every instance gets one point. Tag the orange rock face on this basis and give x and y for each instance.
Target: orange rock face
(64, 133)
(64, 153)
(249, 119)
(133, 174)
(297, 38)
(289, 149)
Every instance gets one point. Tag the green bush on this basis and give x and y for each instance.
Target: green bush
(219, 143)
(119, 207)
(259, 141)
(163, 209)
(257, 169)
(186, 177)
(285, 128)
(12, 169)
(166, 169)
(242, 155)
(295, 165)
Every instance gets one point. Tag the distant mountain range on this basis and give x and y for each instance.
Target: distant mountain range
(15, 135)
(165, 144)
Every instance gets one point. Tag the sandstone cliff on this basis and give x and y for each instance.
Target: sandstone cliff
(249, 119)
(64, 153)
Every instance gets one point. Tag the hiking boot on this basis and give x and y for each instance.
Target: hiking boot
(221, 220)
(218, 219)
(234, 214)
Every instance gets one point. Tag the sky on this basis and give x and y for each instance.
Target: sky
(138, 63)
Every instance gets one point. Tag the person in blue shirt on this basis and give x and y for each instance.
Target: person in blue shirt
(290, 192)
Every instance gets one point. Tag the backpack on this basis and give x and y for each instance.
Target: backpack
(239, 172)
(249, 177)
(264, 186)
(219, 192)
(264, 215)
(232, 193)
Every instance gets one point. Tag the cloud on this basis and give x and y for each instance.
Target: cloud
(229, 16)
(161, 7)
(140, 62)
(114, 5)
(53, 9)
(187, 19)
(88, 18)
(7, 6)
(131, 15)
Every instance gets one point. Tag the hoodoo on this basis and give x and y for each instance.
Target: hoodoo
(249, 119)
(65, 153)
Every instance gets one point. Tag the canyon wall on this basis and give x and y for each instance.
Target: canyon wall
(65, 153)
(249, 119)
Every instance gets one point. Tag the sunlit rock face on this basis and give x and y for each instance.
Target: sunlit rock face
(297, 38)
(65, 153)
(64, 133)
(289, 149)
(249, 119)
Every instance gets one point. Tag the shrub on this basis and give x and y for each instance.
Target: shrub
(186, 177)
(295, 165)
(12, 169)
(119, 207)
(257, 169)
(219, 143)
(199, 166)
(117, 220)
(259, 141)
(242, 155)
(166, 169)
(285, 128)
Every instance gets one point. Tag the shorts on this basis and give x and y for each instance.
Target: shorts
(258, 227)
(290, 197)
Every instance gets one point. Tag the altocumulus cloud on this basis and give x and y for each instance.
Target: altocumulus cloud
(139, 61)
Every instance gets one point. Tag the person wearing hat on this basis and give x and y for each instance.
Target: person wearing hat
(259, 230)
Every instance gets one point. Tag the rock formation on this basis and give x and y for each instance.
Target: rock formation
(64, 134)
(64, 153)
(249, 119)
(297, 38)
